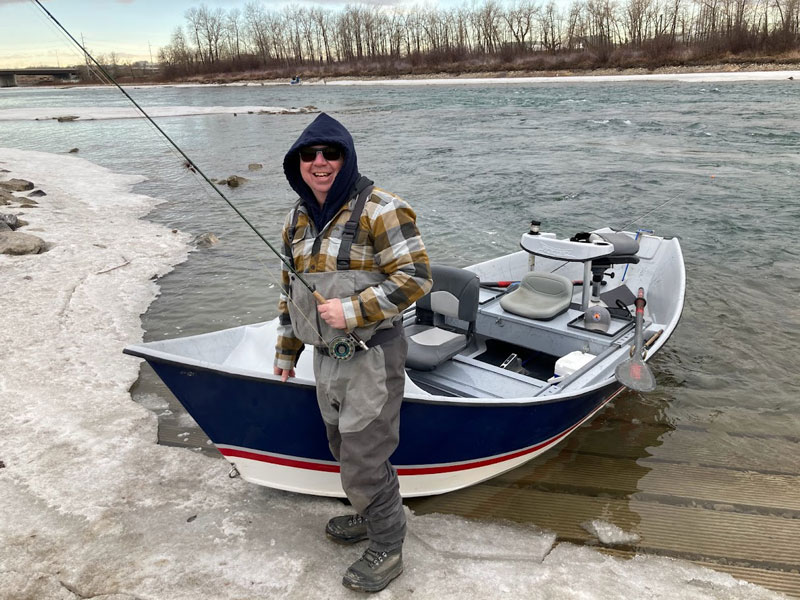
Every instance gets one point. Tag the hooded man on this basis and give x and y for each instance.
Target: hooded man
(359, 247)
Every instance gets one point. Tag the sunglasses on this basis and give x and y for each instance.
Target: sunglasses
(328, 153)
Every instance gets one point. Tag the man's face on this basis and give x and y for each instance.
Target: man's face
(320, 171)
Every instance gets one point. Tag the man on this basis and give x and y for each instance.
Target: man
(359, 247)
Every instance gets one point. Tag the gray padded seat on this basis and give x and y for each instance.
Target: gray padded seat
(454, 294)
(539, 296)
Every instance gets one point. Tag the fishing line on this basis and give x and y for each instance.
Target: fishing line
(192, 166)
(648, 212)
(622, 228)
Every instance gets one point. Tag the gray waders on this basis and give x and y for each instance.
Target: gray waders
(360, 403)
(359, 398)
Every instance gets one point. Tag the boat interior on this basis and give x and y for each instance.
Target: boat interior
(475, 338)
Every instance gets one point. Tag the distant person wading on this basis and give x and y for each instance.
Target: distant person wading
(358, 246)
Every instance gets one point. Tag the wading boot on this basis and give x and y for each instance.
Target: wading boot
(348, 529)
(374, 570)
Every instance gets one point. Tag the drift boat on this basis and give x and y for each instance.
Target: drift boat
(506, 358)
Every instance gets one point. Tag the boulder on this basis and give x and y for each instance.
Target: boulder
(5, 226)
(11, 220)
(255, 166)
(37, 194)
(206, 240)
(235, 181)
(16, 185)
(73, 150)
(16, 242)
(6, 197)
(67, 118)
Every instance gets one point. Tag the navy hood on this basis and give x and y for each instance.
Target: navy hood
(323, 130)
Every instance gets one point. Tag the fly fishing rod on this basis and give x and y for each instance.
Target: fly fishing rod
(341, 347)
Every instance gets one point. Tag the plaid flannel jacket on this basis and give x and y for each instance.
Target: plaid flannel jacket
(387, 242)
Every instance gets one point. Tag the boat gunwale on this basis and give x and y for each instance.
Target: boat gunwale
(203, 366)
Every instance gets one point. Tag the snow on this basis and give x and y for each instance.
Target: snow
(92, 507)
(685, 77)
(92, 113)
(608, 533)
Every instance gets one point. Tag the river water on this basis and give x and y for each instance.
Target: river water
(718, 162)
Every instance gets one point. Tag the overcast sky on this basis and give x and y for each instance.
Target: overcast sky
(130, 28)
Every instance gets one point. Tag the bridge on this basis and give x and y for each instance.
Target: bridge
(8, 77)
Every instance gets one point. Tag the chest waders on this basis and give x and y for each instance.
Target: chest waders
(360, 394)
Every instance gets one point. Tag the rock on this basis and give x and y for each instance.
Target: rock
(73, 150)
(11, 220)
(37, 194)
(29, 204)
(206, 240)
(235, 181)
(5, 226)
(67, 118)
(6, 197)
(16, 242)
(255, 166)
(16, 185)
(30, 201)
(21, 223)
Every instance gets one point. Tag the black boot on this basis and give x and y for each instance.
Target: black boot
(374, 570)
(348, 529)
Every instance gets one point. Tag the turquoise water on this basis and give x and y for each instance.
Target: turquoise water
(477, 163)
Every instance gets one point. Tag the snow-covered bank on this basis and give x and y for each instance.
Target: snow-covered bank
(91, 506)
(660, 77)
(89, 113)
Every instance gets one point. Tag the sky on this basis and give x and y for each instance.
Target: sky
(130, 28)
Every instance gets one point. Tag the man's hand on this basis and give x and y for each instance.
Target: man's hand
(283, 373)
(332, 313)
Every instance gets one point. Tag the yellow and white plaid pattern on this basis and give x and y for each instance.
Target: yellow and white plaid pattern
(387, 242)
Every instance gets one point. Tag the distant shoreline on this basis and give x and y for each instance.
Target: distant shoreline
(717, 72)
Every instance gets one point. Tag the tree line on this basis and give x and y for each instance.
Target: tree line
(487, 35)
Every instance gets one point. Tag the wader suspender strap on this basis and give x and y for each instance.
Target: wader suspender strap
(292, 230)
(364, 188)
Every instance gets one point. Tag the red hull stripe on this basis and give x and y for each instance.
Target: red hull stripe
(405, 471)
(279, 460)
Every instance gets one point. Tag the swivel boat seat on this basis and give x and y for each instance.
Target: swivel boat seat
(445, 318)
(624, 252)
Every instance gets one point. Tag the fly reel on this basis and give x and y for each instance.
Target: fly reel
(342, 347)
